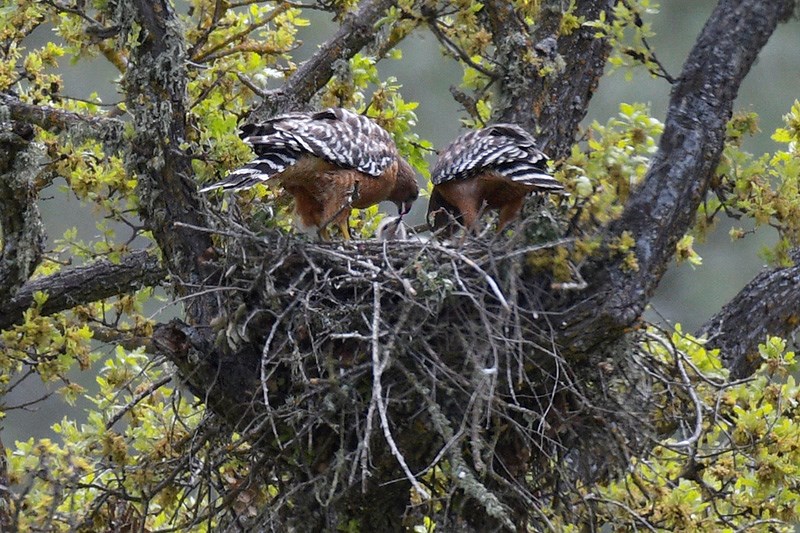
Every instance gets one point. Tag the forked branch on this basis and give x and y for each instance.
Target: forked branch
(661, 211)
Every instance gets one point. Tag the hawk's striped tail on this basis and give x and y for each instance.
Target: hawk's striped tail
(530, 173)
(259, 170)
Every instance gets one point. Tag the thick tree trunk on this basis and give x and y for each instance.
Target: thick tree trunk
(21, 230)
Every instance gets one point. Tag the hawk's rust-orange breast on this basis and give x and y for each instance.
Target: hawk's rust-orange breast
(494, 167)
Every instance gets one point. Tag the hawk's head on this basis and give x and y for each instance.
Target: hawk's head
(406, 190)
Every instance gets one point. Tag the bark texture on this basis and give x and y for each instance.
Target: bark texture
(553, 105)
(82, 285)
(157, 73)
(57, 120)
(767, 306)
(21, 230)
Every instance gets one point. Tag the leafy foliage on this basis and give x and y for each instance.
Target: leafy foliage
(629, 30)
(600, 174)
(737, 470)
(763, 189)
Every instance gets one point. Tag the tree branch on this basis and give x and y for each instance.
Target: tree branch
(563, 103)
(21, 231)
(85, 284)
(156, 97)
(553, 104)
(766, 306)
(662, 210)
(356, 32)
(58, 120)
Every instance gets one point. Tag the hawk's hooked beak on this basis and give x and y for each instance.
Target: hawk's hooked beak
(403, 208)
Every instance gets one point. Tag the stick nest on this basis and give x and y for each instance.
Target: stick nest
(429, 363)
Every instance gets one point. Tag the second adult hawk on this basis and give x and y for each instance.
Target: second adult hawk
(494, 167)
(329, 161)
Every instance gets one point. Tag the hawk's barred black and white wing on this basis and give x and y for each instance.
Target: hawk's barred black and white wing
(503, 148)
(335, 135)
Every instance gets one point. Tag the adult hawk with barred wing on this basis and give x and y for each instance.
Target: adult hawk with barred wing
(496, 167)
(330, 162)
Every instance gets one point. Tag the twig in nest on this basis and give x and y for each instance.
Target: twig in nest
(462, 474)
(489, 280)
(378, 366)
(410, 291)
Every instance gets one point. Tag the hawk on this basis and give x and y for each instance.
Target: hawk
(495, 167)
(330, 161)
